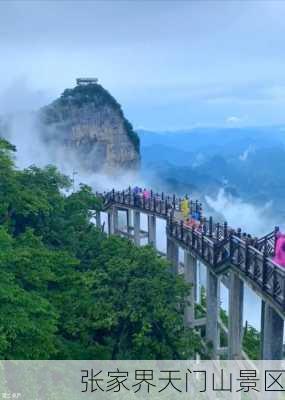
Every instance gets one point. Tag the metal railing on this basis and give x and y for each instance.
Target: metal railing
(217, 245)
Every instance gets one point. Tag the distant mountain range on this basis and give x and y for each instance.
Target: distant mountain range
(246, 162)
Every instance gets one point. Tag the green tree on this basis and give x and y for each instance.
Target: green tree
(28, 321)
(251, 342)
(131, 306)
(68, 291)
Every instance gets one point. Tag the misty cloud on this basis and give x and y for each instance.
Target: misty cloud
(240, 214)
(246, 153)
(19, 96)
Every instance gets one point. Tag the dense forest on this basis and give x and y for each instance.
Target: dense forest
(68, 291)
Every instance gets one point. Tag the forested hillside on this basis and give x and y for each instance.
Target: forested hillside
(69, 292)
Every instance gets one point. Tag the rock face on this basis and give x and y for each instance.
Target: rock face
(88, 121)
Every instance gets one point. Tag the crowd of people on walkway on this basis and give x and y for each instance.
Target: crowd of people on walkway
(142, 193)
(192, 217)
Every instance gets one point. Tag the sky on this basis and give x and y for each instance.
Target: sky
(171, 64)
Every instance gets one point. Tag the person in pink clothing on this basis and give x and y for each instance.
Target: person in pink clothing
(146, 194)
(279, 257)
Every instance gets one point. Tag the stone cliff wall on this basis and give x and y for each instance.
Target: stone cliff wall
(88, 121)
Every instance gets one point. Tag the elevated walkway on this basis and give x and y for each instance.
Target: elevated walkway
(222, 250)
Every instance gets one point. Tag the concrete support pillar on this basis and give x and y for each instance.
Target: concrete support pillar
(112, 221)
(172, 253)
(168, 248)
(98, 219)
(212, 328)
(137, 227)
(129, 220)
(236, 291)
(151, 221)
(198, 283)
(190, 275)
(116, 219)
(272, 330)
(175, 257)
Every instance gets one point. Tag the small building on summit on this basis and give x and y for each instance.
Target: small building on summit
(86, 81)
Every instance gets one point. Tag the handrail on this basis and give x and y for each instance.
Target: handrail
(216, 244)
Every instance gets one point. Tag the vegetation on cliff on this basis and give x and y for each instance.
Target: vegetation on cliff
(69, 292)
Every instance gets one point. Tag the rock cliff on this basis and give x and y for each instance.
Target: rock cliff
(89, 121)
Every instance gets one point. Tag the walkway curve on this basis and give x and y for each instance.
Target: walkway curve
(216, 245)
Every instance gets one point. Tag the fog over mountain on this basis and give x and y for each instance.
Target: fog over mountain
(236, 171)
(84, 133)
